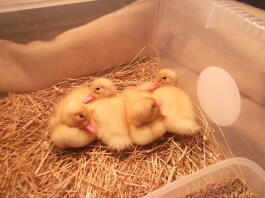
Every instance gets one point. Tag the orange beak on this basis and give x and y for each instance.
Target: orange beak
(162, 117)
(89, 98)
(153, 86)
(159, 104)
(90, 128)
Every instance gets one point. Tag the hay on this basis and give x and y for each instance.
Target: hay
(31, 167)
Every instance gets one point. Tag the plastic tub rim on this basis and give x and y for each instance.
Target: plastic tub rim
(208, 170)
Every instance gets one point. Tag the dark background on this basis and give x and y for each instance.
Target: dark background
(256, 3)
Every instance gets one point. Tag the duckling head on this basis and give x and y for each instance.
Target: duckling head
(144, 111)
(100, 88)
(163, 78)
(76, 115)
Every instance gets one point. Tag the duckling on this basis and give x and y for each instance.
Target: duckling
(108, 114)
(64, 136)
(177, 105)
(143, 116)
(110, 123)
(144, 121)
(71, 126)
(100, 88)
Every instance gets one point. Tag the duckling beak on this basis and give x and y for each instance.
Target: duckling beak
(159, 104)
(162, 117)
(89, 98)
(153, 86)
(90, 128)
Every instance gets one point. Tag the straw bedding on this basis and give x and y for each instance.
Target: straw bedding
(31, 167)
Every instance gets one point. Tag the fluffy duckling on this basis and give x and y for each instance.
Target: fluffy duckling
(143, 116)
(108, 114)
(71, 126)
(176, 104)
(100, 88)
(64, 136)
(145, 122)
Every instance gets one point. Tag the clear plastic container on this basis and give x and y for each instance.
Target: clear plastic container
(188, 36)
(24, 21)
(193, 35)
(247, 170)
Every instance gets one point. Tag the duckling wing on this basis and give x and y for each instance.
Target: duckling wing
(178, 109)
(69, 137)
(109, 119)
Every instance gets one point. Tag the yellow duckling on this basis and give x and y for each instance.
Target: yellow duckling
(71, 126)
(108, 114)
(143, 116)
(145, 122)
(100, 88)
(64, 136)
(176, 103)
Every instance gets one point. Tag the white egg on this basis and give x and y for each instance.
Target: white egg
(219, 96)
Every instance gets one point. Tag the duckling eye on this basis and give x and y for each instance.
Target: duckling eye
(97, 89)
(80, 116)
(153, 106)
(164, 78)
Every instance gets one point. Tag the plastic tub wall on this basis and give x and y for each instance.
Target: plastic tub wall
(242, 168)
(192, 35)
(30, 20)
